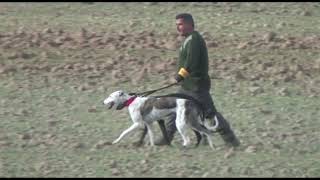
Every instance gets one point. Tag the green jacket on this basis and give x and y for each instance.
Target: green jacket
(193, 56)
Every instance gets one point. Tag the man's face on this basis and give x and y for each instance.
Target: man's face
(183, 27)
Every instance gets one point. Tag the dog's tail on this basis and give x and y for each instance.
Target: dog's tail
(212, 128)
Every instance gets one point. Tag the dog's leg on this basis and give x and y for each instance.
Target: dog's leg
(199, 137)
(185, 137)
(181, 123)
(203, 130)
(182, 129)
(210, 142)
(150, 133)
(143, 135)
(125, 132)
(164, 130)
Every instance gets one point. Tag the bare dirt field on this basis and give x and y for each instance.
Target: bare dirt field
(58, 61)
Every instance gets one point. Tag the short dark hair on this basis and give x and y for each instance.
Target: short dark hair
(186, 17)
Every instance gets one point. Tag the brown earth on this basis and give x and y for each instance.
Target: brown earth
(21, 46)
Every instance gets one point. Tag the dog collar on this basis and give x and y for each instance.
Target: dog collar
(129, 101)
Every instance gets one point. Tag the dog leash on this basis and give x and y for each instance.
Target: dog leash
(146, 93)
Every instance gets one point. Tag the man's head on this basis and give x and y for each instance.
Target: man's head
(185, 24)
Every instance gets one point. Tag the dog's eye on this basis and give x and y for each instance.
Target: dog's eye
(121, 94)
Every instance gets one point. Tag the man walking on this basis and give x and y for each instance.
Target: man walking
(194, 79)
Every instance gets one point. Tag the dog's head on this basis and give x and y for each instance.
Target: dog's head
(116, 99)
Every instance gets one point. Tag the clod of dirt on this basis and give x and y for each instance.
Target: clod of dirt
(83, 88)
(113, 164)
(41, 166)
(243, 45)
(283, 92)
(305, 13)
(7, 69)
(141, 75)
(25, 55)
(270, 36)
(296, 67)
(13, 56)
(265, 111)
(44, 45)
(47, 30)
(23, 112)
(289, 77)
(115, 171)
(229, 153)
(227, 169)
(266, 25)
(78, 145)
(300, 75)
(212, 44)
(20, 31)
(68, 66)
(55, 69)
(239, 76)
(117, 74)
(89, 158)
(228, 9)
(204, 175)
(251, 149)
(52, 122)
(93, 109)
(254, 25)
(255, 90)
(161, 67)
(245, 171)
(101, 144)
(144, 162)
(281, 25)
(276, 146)
(4, 144)
(56, 42)
(171, 45)
(102, 89)
(25, 136)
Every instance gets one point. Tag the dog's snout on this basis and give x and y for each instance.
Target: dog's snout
(105, 102)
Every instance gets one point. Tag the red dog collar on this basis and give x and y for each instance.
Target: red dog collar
(129, 101)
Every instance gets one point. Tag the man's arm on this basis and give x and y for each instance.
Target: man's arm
(193, 56)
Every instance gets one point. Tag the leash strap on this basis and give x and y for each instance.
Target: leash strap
(146, 93)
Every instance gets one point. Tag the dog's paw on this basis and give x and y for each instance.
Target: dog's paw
(115, 142)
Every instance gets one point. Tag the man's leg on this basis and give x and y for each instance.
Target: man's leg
(226, 132)
(224, 128)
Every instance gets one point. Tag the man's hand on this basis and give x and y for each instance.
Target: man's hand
(179, 78)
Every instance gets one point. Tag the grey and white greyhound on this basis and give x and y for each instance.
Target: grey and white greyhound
(145, 110)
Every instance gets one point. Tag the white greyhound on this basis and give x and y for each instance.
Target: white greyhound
(146, 110)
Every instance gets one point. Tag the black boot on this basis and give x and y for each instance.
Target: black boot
(226, 132)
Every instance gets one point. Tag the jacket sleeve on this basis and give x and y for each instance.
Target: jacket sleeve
(193, 54)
